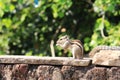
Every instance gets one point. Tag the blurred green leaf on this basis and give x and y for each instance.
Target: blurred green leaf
(55, 10)
(12, 7)
(28, 53)
(7, 22)
(23, 17)
(1, 13)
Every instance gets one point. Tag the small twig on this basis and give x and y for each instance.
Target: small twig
(52, 48)
(52, 41)
(102, 29)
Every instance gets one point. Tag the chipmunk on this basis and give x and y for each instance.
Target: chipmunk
(75, 46)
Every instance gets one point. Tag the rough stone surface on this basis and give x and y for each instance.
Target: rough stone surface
(114, 73)
(19, 72)
(96, 74)
(48, 72)
(45, 72)
(57, 74)
(45, 60)
(107, 58)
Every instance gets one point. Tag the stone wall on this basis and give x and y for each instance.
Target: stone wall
(50, 72)
(106, 67)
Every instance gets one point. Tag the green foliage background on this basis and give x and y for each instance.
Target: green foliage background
(29, 30)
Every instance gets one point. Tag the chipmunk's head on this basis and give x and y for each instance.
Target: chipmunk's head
(62, 40)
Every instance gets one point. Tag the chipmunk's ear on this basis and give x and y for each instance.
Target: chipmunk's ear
(66, 36)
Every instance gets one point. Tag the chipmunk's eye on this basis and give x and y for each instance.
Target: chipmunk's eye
(60, 39)
(66, 36)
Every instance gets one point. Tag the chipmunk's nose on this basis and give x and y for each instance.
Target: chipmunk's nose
(57, 43)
